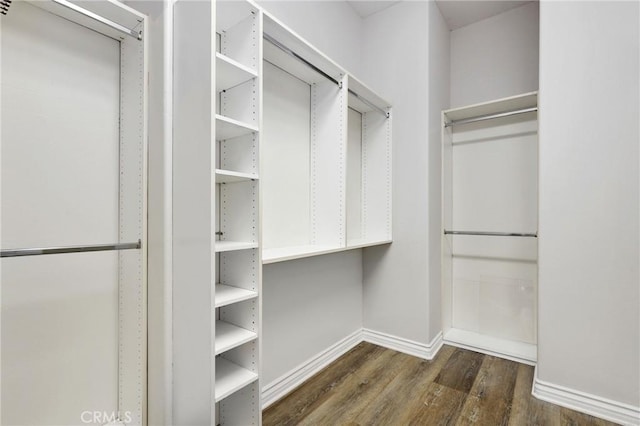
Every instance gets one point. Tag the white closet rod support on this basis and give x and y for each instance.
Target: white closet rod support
(69, 249)
(133, 33)
(491, 116)
(492, 234)
(293, 54)
(372, 105)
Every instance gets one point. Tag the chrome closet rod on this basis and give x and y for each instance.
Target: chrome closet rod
(492, 234)
(133, 33)
(490, 116)
(69, 249)
(293, 54)
(371, 104)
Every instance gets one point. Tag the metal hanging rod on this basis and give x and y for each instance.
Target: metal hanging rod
(130, 32)
(492, 234)
(371, 104)
(293, 54)
(69, 249)
(491, 116)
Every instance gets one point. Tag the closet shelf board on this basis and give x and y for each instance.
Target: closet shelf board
(228, 176)
(234, 245)
(526, 100)
(226, 295)
(231, 378)
(228, 128)
(229, 336)
(230, 73)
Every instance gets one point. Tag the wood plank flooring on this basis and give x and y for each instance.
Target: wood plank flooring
(371, 385)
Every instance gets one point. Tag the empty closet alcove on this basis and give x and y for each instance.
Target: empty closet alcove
(490, 218)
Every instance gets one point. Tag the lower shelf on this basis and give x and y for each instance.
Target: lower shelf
(525, 353)
(229, 336)
(273, 255)
(226, 295)
(231, 378)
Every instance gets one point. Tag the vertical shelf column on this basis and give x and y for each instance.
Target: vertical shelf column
(236, 197)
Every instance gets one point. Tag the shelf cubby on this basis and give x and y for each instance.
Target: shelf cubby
(231, 73)
(229, 128)
(227, 294)
(229, 336)
(230, 378)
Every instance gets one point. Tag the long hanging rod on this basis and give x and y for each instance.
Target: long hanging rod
(371, 104)
(133, 33)
(69, 249)
(293, 54)
(490, 116)
(492, 234)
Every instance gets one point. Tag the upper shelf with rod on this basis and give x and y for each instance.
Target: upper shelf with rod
(515, 105)
(290, 52)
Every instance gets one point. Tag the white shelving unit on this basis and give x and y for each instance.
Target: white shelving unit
(318, 198)
(235, 171)
(490, 175)
(217, 240)
(236, 189)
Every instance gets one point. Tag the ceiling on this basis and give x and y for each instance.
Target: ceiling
(456, 13)
(367, 8)
(459, 13)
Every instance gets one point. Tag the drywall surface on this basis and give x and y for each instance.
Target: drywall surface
(496, 57)
(396, 277)
(310, 304)
(333, 27)
(307, 306)
(589, 248)
(439, 93)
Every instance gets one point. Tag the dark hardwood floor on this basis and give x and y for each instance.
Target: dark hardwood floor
(371, 385)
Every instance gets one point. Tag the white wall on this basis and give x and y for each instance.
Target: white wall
(589, 325)
(331, 26)
(496, 57)
(403, 46)
(310, 304)
(439, 97)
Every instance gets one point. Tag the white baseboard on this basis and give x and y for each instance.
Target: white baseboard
(411, 347)
(294, 378)
(585, 403)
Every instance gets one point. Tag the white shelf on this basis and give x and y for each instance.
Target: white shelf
(362, 243)
(510, 349)
(298, 252)
(230, 73)
(231, 378)
(228, 128)
(227, 176)
(229, 336)
(526, 100)
(226, 295)
(234, 245)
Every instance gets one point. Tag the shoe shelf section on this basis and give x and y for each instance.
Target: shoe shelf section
(237, 227)
(326, 153)
(217, 240)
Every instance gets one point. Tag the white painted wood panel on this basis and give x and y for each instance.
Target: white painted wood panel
(285, 159)
(60, 146)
